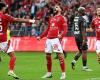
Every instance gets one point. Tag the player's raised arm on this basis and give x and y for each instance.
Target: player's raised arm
(13, 19)
(24, 20)
(4, 7)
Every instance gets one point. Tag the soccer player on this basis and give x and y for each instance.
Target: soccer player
(95, 25)
(80, 38)
(49, 14)
(5, 45)
(57, 28)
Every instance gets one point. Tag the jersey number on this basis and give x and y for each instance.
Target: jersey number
(76, 26)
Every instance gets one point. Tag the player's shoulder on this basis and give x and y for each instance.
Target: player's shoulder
(81, 18)
(85, 17)
(7, 15)
(63, 17)
(78, 18)
(4, 16)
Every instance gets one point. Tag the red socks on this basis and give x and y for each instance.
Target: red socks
(12, 62)
(49, 63)
(62, 64)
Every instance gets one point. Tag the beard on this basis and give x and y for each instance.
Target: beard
(98, 15)
(55, 12)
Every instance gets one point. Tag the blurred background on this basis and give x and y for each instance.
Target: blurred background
(38, 9)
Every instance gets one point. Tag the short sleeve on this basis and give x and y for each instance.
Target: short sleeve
(9, 18)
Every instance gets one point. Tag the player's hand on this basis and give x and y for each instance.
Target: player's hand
(38, 38)
(59, 36)
(32, 21)
(84, 42)
(89, 30)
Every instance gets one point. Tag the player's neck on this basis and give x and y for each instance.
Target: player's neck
(58, 14)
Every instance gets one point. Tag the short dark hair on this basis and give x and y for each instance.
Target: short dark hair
(2, 5)
(81, 10)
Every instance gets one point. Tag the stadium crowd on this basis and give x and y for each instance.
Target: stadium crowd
(38, 9)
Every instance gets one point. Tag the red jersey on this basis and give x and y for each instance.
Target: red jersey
(4, 20)
(56, 25)
(96, 25)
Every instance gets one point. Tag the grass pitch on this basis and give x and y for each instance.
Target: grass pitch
(32, 66)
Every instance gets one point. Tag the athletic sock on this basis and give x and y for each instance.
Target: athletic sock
(84, 62)
(12, 63)
(62, 64)
(84, 58)
(77, 56)
(49, 64)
